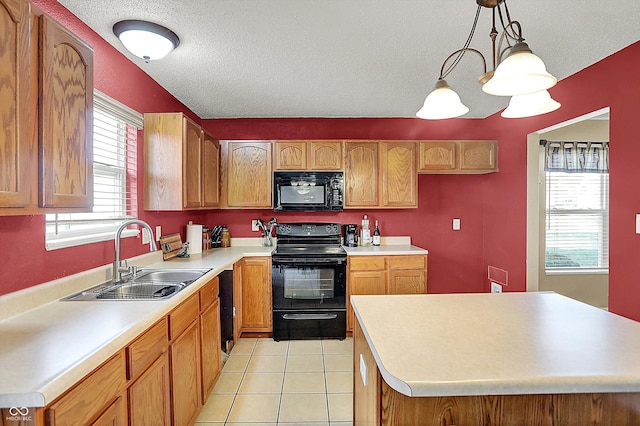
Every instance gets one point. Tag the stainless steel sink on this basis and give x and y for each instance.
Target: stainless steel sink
(146, 284)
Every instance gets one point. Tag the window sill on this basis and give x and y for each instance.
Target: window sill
(577, 272)
(60, 243)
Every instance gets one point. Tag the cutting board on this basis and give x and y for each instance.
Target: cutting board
(171, 245)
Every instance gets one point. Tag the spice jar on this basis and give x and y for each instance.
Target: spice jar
(225, 238)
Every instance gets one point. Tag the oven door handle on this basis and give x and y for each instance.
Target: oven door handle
(309, 316)
(309, 261)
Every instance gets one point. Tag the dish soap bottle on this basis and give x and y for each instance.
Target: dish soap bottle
(376, 235)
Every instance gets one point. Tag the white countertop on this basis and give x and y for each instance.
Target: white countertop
(47, 349)
(498, 344)
(385, 250)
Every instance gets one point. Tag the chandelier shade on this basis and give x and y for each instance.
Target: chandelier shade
(146, 40)
(520, 73)
(442, 103)
(530, 104)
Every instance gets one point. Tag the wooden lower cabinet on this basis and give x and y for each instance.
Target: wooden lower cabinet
(115, 415)
(405, 274)
(256, 294)
(185, 376)
(149, 396)
(366, 382)
(91, 397)
(210, 348)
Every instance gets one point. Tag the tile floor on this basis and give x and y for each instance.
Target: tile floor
(297, 382)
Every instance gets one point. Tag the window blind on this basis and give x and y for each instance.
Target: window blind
(577, 221)
(115, 197)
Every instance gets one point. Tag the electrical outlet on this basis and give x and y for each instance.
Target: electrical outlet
(456, 224)
(145, 236)
(158, 232)
(495, 287)
(254, 225)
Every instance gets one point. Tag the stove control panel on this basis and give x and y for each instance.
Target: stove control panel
(308, 229)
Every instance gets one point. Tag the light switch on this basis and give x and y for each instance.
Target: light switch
(158, 232)
(638, 224)
(145, 236)
(456, 224)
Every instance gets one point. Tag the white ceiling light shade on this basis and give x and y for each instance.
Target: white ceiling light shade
(146, 40)
(520, 73)
(530, 104)
(442, 103)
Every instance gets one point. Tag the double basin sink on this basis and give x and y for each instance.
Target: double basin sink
(146, 284)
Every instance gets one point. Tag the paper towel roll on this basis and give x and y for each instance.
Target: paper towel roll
(194, 238)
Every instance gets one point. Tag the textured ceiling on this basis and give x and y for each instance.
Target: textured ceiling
(350, 58)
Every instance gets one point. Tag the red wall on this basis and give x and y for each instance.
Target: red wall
(492, 207)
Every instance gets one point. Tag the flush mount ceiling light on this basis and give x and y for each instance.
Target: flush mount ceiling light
(146, 40)
(516, 72)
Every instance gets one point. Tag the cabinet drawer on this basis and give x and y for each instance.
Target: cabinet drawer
(407, 262)
(366, 263)
(146, 348)
(209, 293)
(91, 396)
(183, 315)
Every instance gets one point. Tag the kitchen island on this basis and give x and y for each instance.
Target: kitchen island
(478, 359)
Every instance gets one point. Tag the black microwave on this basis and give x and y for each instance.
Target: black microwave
(308, 191)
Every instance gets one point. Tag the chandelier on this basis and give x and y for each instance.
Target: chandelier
(516, 72)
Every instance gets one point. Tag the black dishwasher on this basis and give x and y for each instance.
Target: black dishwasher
(226, 309)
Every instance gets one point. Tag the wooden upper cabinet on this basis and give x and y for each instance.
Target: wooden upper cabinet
(210, 171)
(480, 156)
(181, 164)
(15, 139)
(399, 179)
(66, 118)
(437, 155)
(247, 176)
(308, 155)
(361, 174)
(325, 155)
(191, 170)
(458, 157)
(291, 155)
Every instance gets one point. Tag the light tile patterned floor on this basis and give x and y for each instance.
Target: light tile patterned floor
(297, 382)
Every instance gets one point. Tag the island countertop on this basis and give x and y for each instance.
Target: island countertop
(498, 344)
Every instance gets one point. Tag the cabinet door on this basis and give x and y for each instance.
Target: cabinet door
(115, 415)
(256, 294)
(149, 396)
(248, 169)
(15, 139)
(325, 155)
(210, 348)
(407, 282)
(210, 171)
(66, 119)
(366, 396)
(478, 156)
(399, 180)
(185, 376)
(437, 156)
(291, 155)
(191, 172)
(361, 174)
(363, 282)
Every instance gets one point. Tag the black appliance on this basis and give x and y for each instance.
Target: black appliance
(351, 235)
(308, 191)
(309, 282)
(226, 309)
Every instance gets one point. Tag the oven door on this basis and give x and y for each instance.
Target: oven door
(312, 284)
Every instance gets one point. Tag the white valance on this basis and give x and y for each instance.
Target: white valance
(576, 157)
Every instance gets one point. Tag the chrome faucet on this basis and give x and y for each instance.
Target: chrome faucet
(120, 268)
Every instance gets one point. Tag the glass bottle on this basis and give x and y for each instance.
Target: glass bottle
(376, 235)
